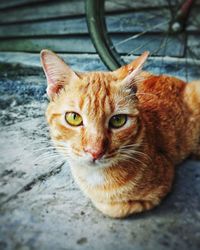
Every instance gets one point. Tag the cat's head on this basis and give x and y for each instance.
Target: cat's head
(93, 116)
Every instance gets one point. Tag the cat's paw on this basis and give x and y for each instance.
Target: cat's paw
(124, 209)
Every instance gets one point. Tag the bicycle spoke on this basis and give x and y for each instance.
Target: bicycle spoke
(196, 22)
(139, 47)
(193, 56)
(164, 46)
(139, 34)
(186, 69)
(161, 46)
(141, 4)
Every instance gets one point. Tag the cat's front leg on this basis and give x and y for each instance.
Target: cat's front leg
(124, 209)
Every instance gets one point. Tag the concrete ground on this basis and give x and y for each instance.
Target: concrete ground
(40, 205)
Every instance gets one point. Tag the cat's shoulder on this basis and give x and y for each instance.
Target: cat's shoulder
(161, 83)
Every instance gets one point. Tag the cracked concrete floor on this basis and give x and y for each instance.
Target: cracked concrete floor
(42, 208)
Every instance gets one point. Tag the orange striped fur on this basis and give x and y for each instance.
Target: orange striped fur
(136, 167)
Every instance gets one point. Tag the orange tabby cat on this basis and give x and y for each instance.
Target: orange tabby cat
(122, 132)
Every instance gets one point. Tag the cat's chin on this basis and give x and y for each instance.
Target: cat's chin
(97, 164)
(81, 162)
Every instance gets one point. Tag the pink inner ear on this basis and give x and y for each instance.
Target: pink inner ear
(132, 69)
(53, 89)
(57, 72)
(49, 79)
(139, 62)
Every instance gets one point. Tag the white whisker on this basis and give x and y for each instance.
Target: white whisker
(47, 158)
(46, 155)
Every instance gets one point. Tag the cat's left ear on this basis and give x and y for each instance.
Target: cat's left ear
(128, 73)
(57, 72)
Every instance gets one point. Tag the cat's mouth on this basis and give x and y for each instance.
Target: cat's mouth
(86, 160)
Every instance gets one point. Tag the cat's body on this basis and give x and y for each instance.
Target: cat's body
(170, 115)
(128, 169)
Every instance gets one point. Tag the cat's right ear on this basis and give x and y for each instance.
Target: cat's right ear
(57, 72)
(128, 74)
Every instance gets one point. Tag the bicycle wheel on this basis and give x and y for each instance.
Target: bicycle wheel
(122, 28)
(98, 33)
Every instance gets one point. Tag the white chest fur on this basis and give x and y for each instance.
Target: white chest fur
(90, 176)
(95, 178)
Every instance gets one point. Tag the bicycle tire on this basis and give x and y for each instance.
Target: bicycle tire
(98, 33)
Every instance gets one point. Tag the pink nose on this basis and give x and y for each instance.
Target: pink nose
(95, 153)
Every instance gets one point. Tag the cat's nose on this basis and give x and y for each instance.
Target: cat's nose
(95, 153)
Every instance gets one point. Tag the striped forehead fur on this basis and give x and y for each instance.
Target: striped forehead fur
(97, 93)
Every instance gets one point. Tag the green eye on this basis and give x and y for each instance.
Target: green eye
(117, 121)
(73, 119)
